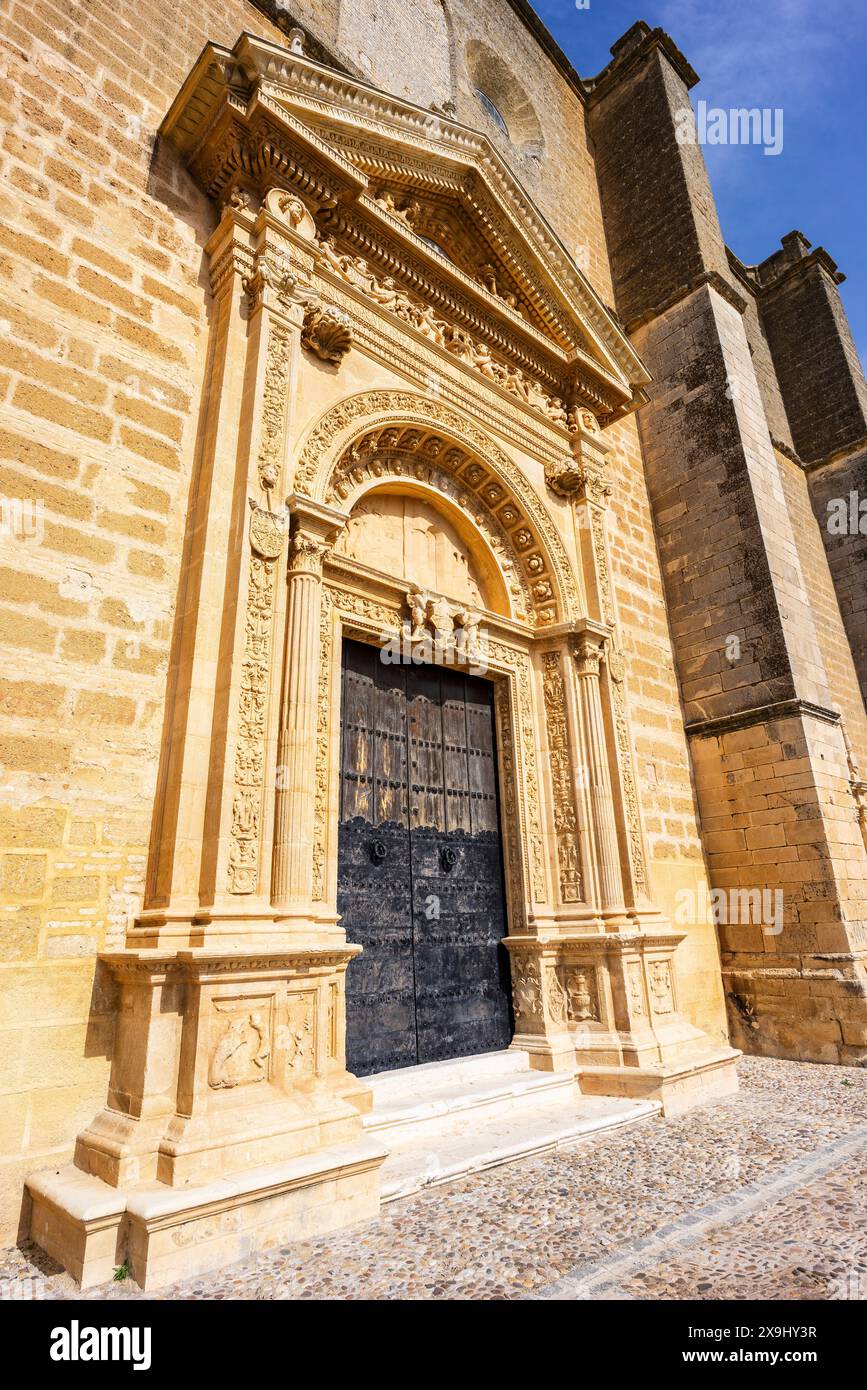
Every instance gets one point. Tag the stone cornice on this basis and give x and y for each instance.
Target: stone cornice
(760, 714)
(260, 115)
(845, 451)
(711, 278)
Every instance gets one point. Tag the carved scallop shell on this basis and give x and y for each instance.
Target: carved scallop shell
(327, 334)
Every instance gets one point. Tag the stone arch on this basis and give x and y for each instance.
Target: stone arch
(494, 80)
(396, 434)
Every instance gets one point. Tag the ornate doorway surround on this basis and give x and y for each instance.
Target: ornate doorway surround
(360, 354)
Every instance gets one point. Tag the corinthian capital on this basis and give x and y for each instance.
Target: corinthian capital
(306, 554)
(588, 651)
(315, 528)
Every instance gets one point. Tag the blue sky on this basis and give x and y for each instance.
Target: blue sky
(808, 58)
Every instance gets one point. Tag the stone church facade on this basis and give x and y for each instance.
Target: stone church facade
(414, 539)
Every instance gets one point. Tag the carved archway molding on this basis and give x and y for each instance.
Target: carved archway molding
(356, 437)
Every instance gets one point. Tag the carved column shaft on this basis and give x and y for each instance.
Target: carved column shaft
(588, 657)
(292, 877)
(293, 840)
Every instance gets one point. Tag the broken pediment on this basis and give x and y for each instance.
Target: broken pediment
(425, 205)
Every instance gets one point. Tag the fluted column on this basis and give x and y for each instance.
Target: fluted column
(314, 530)
(588, 651)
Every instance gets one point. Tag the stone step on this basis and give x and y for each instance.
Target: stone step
(483, 1140)
(435, 1103)
(445, 1119)
(412, 1081)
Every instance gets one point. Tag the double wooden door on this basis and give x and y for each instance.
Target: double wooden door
(420, 880)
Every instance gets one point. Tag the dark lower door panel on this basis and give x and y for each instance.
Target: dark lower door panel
(420, 883)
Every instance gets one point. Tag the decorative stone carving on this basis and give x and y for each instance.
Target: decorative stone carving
(266, 532)
(462, 344)
(274, 399)
(511, 813)
(526, 990)
(636, 989)
(659, 975)
(581, 994)
(326, 333)
(306, 554)
(565, 817)
(250, 746)
(299, 1038)
(487, 472)
(273, 283)
(450, 631)
(385, 199)
(240, 1054)
(323, 720)
(292, 209)
(557, 1001)
(584, 476)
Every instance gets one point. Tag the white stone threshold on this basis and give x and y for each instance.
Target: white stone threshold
(445, 1120)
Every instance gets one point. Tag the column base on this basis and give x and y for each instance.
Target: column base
(168, 1234)
(709, 1075)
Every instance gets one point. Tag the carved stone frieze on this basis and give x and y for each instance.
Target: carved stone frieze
(419, 457)
(386, 294)
(562, 785)
(249, 773)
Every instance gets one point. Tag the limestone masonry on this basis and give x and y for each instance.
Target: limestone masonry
(337, 331)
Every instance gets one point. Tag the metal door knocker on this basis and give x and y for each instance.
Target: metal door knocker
(449, 858)
(378, 851)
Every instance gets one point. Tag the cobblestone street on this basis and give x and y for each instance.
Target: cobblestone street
(759, 1197)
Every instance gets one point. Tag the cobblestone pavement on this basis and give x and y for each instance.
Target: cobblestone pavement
(763, 1196)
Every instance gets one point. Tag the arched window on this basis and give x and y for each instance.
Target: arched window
(493, 111)
(505, 101)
